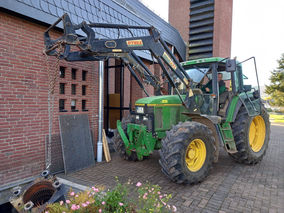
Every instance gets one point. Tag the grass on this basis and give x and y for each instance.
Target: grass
(277, 118)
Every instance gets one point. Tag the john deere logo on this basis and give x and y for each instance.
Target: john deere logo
(169, 60)
(134, 43)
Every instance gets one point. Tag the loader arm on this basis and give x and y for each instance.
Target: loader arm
(90, 48)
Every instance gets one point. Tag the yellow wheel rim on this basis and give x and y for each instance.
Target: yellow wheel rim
(195, 155)
(257, 133)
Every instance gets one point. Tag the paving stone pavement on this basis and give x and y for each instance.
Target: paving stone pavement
(231, 187)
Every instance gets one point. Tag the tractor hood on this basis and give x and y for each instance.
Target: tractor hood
(159, 100)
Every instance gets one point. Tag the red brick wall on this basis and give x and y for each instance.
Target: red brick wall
(23, 97)
(179, 17)
(222, 28)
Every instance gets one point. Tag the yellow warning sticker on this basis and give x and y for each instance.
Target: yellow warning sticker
(134, 43)
(169, 60)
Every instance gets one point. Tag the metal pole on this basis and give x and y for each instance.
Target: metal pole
(101, 111)
(107, 96)
(121, 90)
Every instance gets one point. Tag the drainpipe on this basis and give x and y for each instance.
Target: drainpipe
(101, 111)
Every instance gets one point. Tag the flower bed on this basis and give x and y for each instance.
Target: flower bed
(122, 198)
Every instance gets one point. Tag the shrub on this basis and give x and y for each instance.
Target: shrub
(128, 197)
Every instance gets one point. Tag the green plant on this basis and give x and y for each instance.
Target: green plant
(150, 199)
(139, 198)
(115, 200)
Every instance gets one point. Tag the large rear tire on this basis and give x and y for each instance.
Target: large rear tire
(251, 135)
(118, 142)
(187, 152)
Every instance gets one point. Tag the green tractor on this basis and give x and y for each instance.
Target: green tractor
(208, 103)
(222, 110)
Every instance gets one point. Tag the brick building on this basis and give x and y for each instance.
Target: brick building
(206, 25)
(24, 78)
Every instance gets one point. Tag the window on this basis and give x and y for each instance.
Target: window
(73, 106)
(73, 89)
(84, 75)
(84, 105)
(84, 88)
(74, 71)
(62, 105)
(62, 72)
(62, 88)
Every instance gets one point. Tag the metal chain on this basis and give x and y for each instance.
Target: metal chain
(52, 79)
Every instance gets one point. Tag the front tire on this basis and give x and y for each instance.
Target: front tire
(187, 152)
(251, 135)
(119, 145)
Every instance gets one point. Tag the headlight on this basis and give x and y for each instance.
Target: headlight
(140, 110)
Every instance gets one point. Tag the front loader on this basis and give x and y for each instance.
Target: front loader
(188, 125)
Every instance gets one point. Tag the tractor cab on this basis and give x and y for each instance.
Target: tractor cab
(215, 82)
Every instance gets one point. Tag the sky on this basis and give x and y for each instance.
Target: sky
(258, 30)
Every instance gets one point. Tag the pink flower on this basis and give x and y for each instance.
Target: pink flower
(100, 210)
(46, 212)
(159, 193)
(74, 207)
(61, 203)
(88, 202)
(68, 201)
(78, 207)
(139, 184)
(152, 189)
(72, 193)
(121, 204)
(103, 202)
(145, 196)
(161, 196)
(163, 203)
(95, 189)
(84, 204)
(77, 196)
(174, 208)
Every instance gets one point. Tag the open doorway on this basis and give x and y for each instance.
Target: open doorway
(117, 98)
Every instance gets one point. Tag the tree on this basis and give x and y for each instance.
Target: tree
(276, 87)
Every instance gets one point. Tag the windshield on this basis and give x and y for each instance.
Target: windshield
(196, 74)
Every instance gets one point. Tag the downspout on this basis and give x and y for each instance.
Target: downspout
(101, 111)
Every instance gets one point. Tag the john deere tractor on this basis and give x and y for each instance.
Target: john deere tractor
(188, 138)
(207, 102)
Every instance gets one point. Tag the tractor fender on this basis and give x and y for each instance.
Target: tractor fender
(233, 109)
(238, 106)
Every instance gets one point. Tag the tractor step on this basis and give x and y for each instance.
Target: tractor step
(228, 137)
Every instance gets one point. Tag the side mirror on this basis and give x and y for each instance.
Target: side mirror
(247, 88)
(231, 65)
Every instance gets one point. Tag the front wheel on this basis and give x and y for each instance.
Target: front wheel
(251, 135)
(118, 142)
(187, 152)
